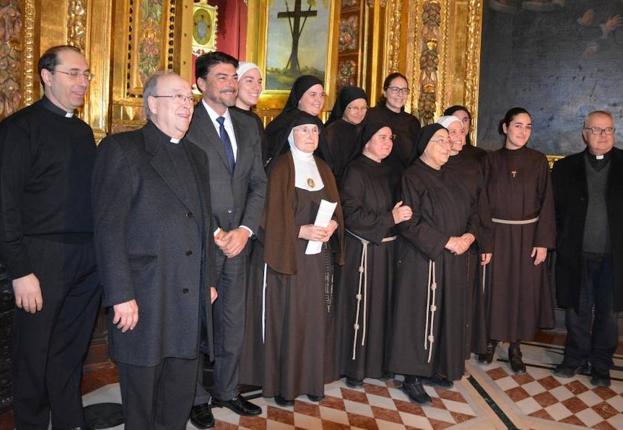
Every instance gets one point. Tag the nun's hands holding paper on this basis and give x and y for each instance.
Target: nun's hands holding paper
(316, 233)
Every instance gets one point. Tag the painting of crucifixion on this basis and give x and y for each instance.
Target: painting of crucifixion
(297, 42)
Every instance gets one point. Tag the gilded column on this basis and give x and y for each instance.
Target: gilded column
(92, 24)
(394, 33)
(77, 23)
(472, 73)
(28, 53)
(11, 53)
(429, 61)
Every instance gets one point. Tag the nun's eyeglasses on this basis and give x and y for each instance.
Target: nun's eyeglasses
(397, 90)
(608, 131)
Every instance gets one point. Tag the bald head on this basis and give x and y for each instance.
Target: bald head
(598, 132)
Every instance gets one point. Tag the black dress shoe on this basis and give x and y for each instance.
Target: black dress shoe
(239, 405)
(416, 391)
(564, 370)
(354, 383)
(515, 359)
(437, 381)
(283, 402)
(600, 378)
(315, 398)
(201, 416)
(487, 357)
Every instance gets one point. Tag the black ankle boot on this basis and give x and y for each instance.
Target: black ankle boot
(515, 358)
(487, 357)
(412, 386)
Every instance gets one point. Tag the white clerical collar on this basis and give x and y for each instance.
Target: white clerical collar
(174, 140)
(69, 114)
(599, 157)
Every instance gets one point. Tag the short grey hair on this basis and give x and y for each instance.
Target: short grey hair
(149, 90)
(598, 112)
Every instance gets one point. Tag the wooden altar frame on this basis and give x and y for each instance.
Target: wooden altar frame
(257, 37)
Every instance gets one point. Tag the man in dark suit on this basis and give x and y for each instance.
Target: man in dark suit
(589, 264)
(155, 250)
(231, 140)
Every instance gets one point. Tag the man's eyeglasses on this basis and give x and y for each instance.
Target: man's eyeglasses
(608, 131)
(398, 90)
(75, 74)
(179, 98)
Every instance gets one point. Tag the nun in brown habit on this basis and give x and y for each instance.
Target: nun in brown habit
(471, 174)
(289, 339)
(427, 343)
(340, 140)
(371, 212)
(520, 300)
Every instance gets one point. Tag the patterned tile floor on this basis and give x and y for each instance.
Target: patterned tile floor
(538, 399)
(489, 397)
(377, 405)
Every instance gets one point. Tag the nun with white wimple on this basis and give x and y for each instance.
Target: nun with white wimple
(293, 300)
(470, 173)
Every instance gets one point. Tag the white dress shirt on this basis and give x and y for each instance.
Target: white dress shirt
(229, 126)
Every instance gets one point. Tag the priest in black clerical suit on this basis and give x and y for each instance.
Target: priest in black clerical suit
(46, 228)
(231, 139)
(156, 256)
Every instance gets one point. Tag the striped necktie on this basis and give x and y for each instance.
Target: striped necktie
(229, 151)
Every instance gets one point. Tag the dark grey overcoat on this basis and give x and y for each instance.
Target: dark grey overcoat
(150, 246)
(571, 197)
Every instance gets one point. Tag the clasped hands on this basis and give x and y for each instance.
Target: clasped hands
(231, 242)
(459, 244)
(317, 233)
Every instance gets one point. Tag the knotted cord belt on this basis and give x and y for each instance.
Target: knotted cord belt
(363, 284)
(431, 308)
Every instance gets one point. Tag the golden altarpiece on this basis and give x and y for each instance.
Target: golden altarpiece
(435, 43)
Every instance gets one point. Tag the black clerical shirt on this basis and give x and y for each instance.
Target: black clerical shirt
(46, 161)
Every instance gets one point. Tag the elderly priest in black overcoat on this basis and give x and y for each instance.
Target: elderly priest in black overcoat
(155, 249)
(588, 190)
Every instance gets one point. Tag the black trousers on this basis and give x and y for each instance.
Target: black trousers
(228, 321)
(158, 397)
(49, 346)
(592, 332)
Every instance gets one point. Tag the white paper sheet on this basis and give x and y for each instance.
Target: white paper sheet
(323, 217)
